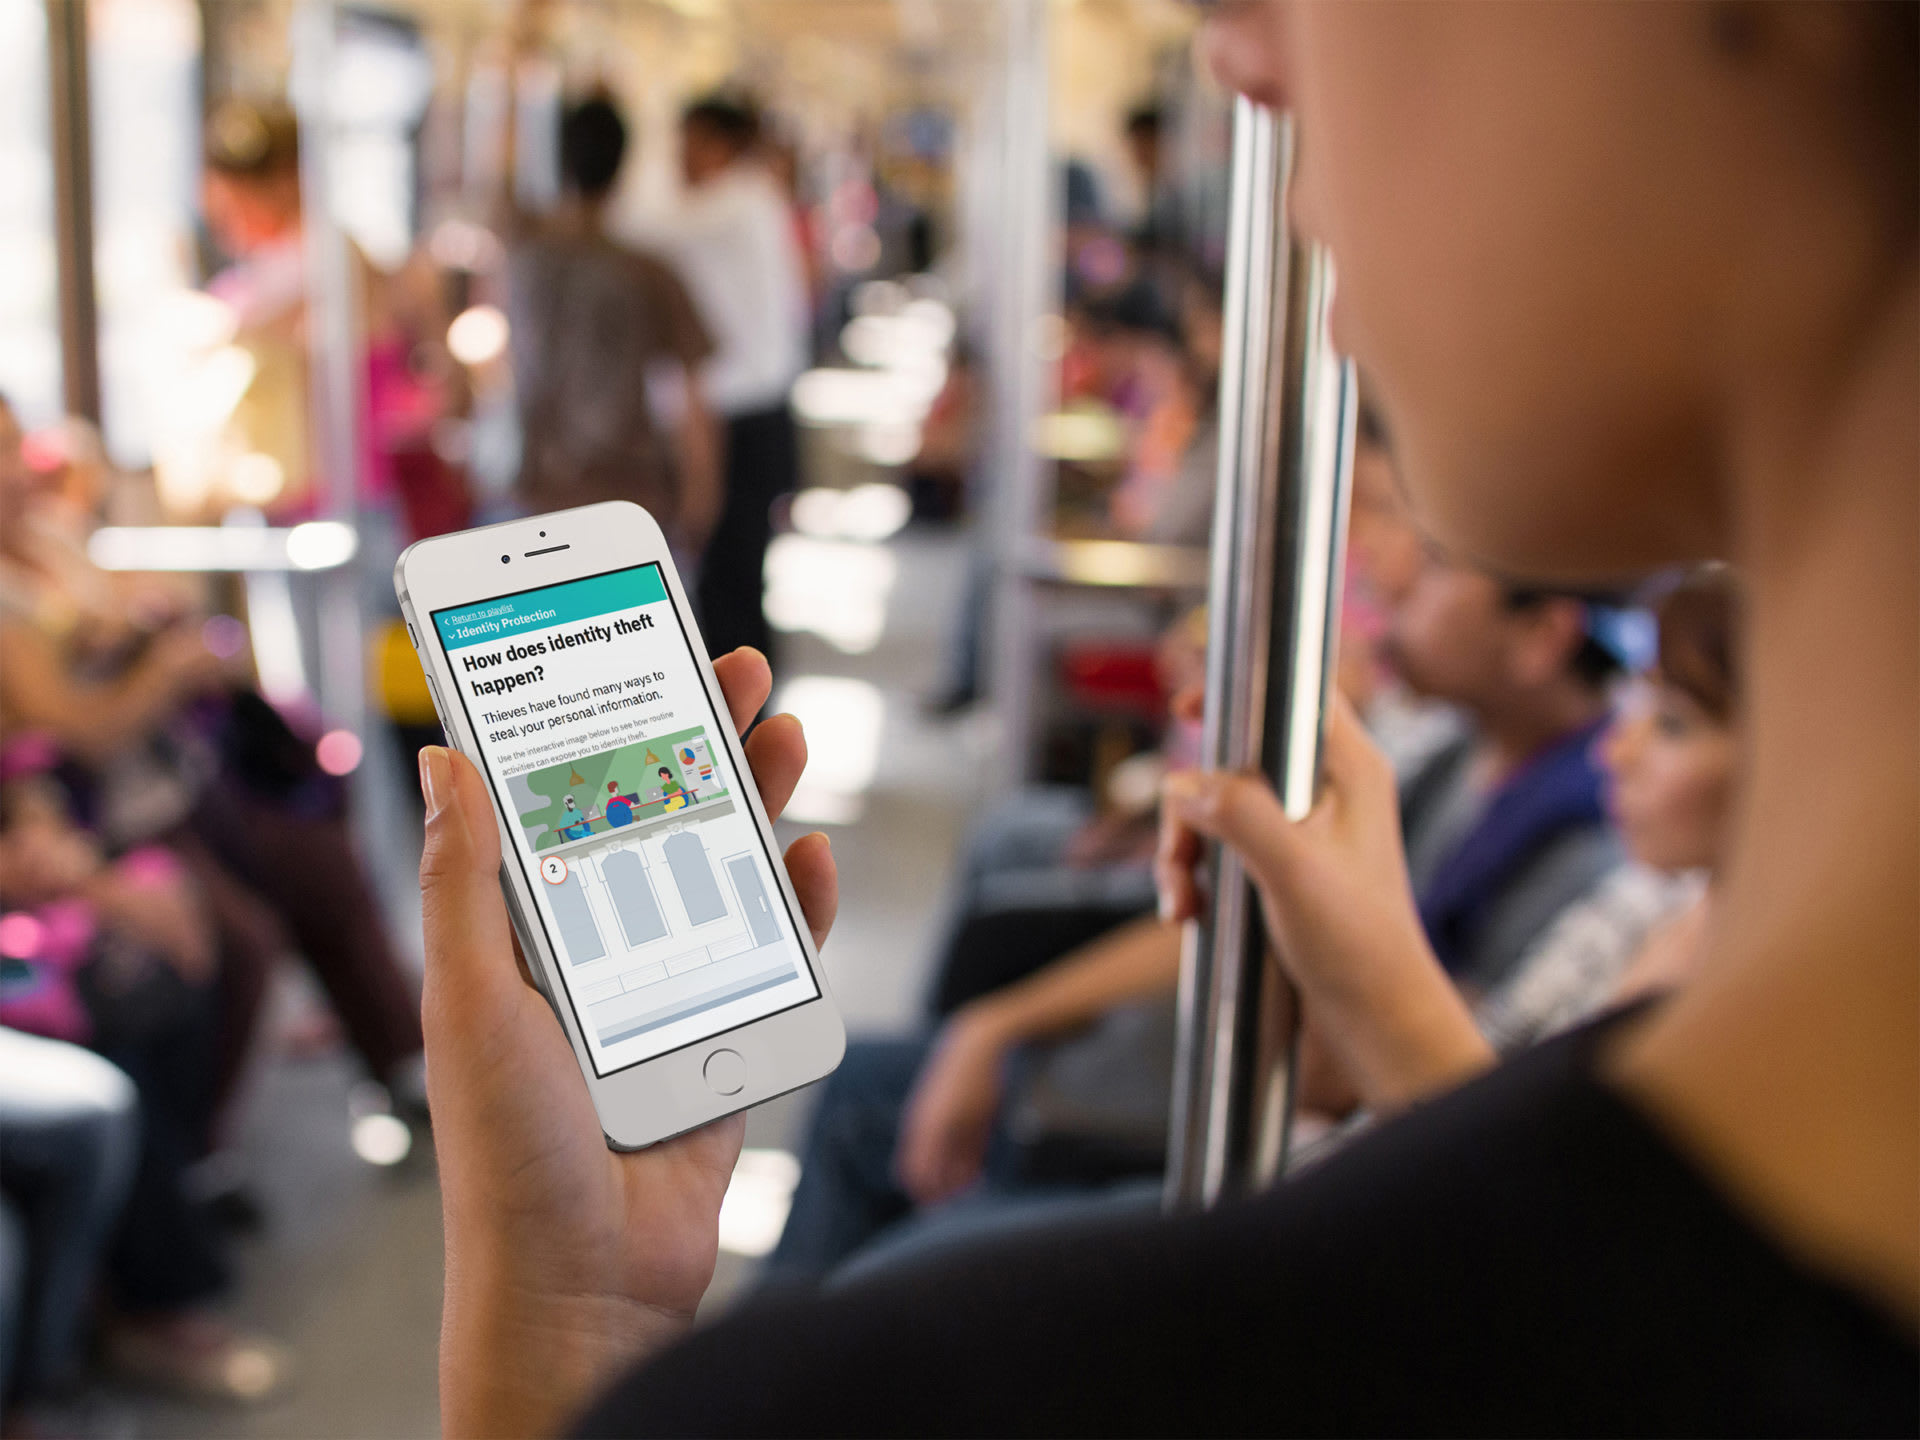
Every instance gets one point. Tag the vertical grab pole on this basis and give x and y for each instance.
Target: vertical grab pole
(1026, 292)
(335, 372)
(69, 98)
(1286, 425)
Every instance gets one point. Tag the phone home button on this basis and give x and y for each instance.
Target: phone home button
(726, 1072)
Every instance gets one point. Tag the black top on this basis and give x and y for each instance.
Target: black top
(1526, 1255)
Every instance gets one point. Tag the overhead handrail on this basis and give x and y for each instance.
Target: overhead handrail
(1287, 407)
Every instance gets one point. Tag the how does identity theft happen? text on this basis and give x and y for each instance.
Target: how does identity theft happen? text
(485, 660)
(534, 715)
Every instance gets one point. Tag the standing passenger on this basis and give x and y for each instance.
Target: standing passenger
(600, 332)
(733, 238)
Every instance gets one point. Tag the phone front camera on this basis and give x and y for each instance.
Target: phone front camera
(505, 558)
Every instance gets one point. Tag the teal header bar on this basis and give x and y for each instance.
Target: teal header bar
(550, 605)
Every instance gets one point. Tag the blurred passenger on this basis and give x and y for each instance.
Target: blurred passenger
(251, 197)
(1157, 229)
(1166, 495)
(1506, 826)
(129, 952)
(1673, 756)
(69, 1137)
(607, 350)
(162, 745)
(732, 238)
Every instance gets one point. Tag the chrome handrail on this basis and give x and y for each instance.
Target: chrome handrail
(1287, 407)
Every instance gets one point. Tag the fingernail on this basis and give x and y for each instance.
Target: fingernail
(436, 780)
(1165, 900)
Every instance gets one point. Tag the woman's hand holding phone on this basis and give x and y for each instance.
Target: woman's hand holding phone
(566, 1261)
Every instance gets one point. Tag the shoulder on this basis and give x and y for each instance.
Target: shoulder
(1409, 1284)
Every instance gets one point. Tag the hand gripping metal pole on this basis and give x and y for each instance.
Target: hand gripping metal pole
(1287, 405)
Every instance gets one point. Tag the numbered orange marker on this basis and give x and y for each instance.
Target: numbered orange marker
(553, 870)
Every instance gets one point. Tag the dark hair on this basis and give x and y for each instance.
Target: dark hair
(251, 141)
(593, 142)
(1145, 120)
(666, 772)
(1699, 619)
(1138, 308)
(736, 121)
(1592, 664)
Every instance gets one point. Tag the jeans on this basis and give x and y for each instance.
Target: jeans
(847, 1193)
(850, 1215)
(69, 1139)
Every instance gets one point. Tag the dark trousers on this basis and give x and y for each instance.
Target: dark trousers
(168, 1254)
(762, 464)
(310, 878)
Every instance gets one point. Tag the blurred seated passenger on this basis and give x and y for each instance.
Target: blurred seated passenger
(1505, 827)
(1672, 755)
(1166, 495)
(607, 349)
(69, 1137)
(120, 957)
(159, 742)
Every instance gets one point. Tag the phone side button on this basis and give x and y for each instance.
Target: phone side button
(523, 929)
(726, 1072)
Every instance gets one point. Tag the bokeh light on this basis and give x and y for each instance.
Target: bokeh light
(338, 752)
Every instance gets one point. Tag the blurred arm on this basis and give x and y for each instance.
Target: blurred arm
(698, 441)
(93, 720)
(1139, 959)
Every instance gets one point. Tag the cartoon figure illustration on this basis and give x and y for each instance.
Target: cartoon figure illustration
(576, 826)
(619, 807)
(672, 792)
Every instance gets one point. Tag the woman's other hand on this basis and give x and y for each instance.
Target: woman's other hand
(1339, 907)
(565, 1260)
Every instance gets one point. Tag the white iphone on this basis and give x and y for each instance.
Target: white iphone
(639, 867)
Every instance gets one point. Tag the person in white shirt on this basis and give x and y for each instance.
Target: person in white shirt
(733, 240)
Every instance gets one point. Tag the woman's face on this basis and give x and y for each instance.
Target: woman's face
(1539, 216)
(1671, 767)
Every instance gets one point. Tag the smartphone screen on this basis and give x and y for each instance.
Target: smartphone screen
(651, 881)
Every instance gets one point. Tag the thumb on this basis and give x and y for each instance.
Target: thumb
(469, 942)
(1241, 812)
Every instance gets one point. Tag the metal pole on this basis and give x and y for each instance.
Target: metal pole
(1023, 376)
(334, 365)
(1286, 417)
(72, 134)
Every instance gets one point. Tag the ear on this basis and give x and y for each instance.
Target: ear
(1545, 640)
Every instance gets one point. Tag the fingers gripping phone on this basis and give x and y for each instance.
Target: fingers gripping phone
(639, 867)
